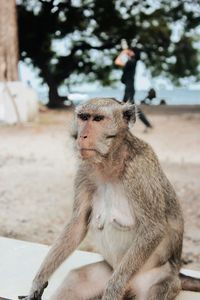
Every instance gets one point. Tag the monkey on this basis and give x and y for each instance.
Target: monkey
(124, 201)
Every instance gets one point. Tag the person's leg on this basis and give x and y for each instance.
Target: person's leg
(126, 93)
(87, 282)
(143, 118)
(129, 92)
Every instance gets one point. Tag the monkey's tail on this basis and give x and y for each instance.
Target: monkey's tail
(190, 283)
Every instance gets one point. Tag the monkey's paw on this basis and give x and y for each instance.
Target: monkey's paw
(36, 295)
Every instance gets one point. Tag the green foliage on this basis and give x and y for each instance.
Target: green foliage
(88, 33)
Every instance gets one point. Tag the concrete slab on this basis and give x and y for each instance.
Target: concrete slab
(20, 260)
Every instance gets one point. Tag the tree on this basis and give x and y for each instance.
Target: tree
(91, 31)
(8, 41)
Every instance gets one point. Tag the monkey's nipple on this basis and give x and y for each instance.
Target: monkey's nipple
(100, 224)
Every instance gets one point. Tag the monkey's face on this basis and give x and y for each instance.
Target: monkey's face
(95, 134)
(101, 127)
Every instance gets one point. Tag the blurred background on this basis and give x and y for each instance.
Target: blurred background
(55, 54)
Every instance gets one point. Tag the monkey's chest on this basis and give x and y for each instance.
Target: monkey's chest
(112, 223)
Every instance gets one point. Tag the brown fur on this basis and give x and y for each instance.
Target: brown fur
(112, 159)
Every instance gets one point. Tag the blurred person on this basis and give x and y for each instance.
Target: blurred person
(127, 59)
(150, 96)
(163, 102)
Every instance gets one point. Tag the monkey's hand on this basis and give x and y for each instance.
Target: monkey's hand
(36, 294)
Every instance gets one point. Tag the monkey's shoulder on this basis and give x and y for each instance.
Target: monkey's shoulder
(141, 153)
(143, 169)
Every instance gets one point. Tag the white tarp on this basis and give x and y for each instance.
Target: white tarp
(18, 103)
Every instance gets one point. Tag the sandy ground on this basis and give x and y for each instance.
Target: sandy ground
(37, 168)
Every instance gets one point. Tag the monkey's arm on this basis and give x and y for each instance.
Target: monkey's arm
(144, 245)
(71, 236)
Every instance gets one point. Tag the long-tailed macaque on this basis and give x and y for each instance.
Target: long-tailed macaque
(127, 205)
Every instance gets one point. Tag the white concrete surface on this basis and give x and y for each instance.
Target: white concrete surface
(20, 260)
(18, 103)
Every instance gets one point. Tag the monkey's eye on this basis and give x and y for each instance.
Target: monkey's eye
(84, 117)
(98, 118)
(111, 136)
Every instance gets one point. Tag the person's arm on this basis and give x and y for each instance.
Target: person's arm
(122, 58)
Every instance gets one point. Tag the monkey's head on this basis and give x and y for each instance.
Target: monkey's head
(102, 125)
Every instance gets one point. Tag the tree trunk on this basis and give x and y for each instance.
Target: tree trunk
(55, 100)
(8, 41)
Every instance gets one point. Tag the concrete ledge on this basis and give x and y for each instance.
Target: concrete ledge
(20, 260)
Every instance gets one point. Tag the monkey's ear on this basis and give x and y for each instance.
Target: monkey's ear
(129, 113)
(74, 135)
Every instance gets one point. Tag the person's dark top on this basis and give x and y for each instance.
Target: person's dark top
(129, 70)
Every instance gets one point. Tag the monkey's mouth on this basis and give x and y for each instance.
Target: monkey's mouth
(86, 152)
(87, 149)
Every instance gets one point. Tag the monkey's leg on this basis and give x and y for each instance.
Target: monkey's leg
(166, 290)
(157, 283)
(84, 283)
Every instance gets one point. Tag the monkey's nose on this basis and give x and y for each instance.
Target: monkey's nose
(84, 136)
